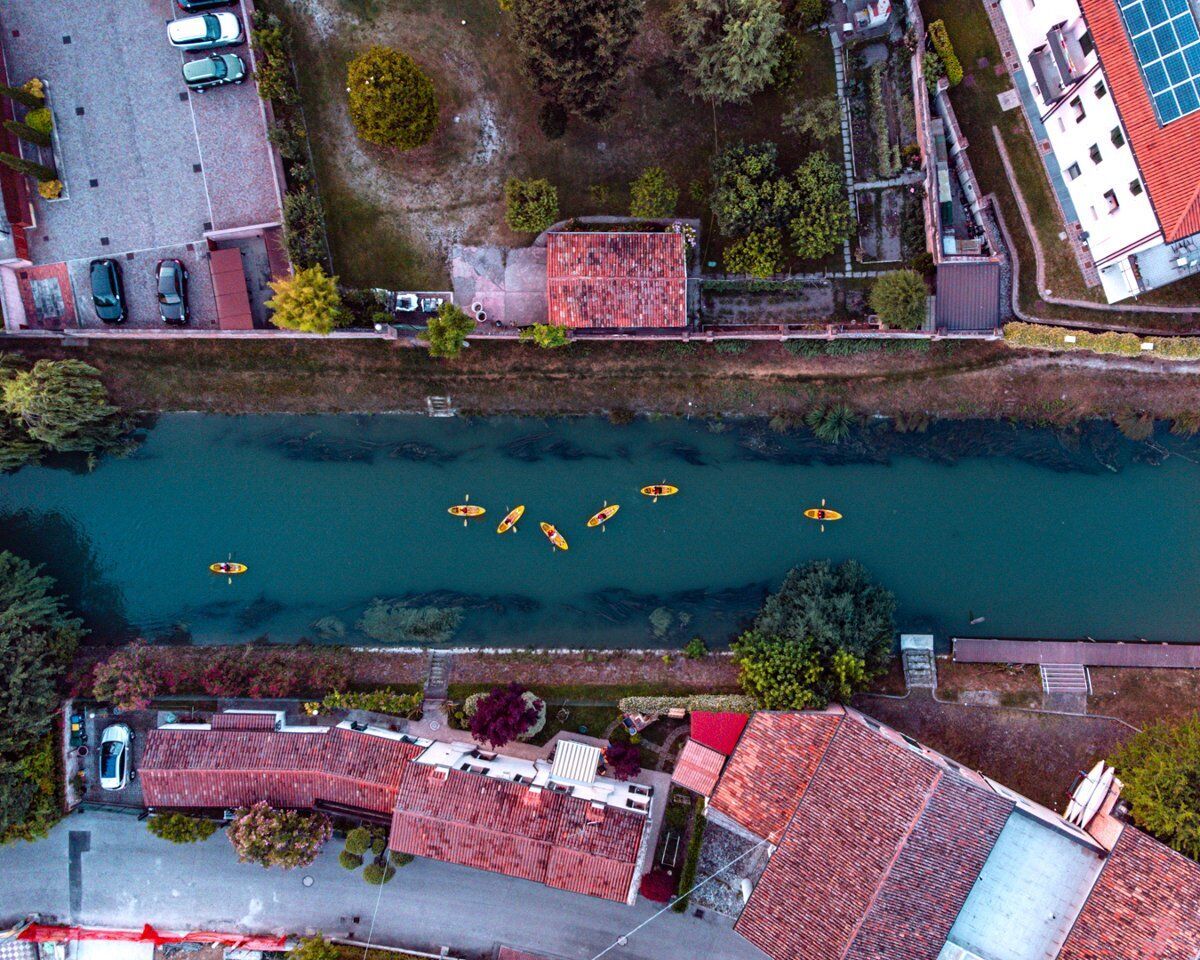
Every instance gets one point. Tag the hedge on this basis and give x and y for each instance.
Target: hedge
(715, 702)
(688, 877)
(945, 49)
(1047, 337)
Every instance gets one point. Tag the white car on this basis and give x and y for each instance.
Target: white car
(116, 756)
(205, 32)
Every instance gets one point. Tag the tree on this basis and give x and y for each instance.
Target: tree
(838, 608)
(899, 298)
(809, 13)
(446, 332)
(392, 102)
(278, 838)
(785, 673)
(39, 171)
(308, 301)
(28, 133)
(504, 714)
(351, 861)
(548, 336)
(22, 96)
(180, 828)
(624, 759)
(822, 222)
(530, 206)
(652, 195)
(377, 873)
(358, 841)
(748, 191)
(62, 406)
(575, 52)
(1160, 768)
(820, 119)
(759, 254)
(729, 48)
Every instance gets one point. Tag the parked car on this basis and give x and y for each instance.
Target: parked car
(190, 6)
(172, 279)
(205, 32)
(108, 293)
(214, 71)
(116, 755)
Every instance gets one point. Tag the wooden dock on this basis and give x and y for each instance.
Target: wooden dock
(1088, 653)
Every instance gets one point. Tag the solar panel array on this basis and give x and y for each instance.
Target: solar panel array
(1167, 43)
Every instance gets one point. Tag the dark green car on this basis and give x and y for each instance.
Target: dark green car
(108, 293)
(214, 71)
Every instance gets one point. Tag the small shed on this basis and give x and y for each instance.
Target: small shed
(229, 287)
(968, 296)
(698, 768)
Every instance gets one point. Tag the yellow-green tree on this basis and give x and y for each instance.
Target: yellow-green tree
(548, 336)
(446, 332)
(392, 102)
(307, 301)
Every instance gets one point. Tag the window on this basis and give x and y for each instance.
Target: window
(1111, 197)
(1073, 171)
(1085, 44)
(1118, 138)
(1094, 153)
(1077, 106)
(1100, 89)
(1135, 187)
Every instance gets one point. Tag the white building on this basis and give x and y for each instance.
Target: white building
(1108, 86)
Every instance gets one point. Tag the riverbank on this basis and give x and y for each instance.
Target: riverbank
(943, 380)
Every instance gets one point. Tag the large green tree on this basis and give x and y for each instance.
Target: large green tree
(823, 221)
(749, 193)
(729, 48)
(575, 52)
(1160, 768)
(446, 331)
(308, 301)
(899, 298)
(786, 673)
(837, 608)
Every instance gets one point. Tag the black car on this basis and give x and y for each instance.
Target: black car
(172, 279)
(108, 293)
(191, 6)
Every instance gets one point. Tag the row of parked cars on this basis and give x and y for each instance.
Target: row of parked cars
(208, 31)
(108, 291)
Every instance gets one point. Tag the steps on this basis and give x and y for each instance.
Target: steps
(440, 407)
(1066, 678)
(916, 656)
(437, 675)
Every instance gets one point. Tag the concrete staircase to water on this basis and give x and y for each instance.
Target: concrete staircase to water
(1065, 687)
(916, 656)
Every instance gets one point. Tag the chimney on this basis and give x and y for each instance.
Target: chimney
(441, 774)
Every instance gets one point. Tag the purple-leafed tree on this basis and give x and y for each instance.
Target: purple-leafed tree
(278, 838)
(624, 759)
(504, 714)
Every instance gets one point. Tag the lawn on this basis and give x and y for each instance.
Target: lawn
(393, 216)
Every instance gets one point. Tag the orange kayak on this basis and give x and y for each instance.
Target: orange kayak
(510, 519)
(467, 510)
(604, 515)
(554, 536)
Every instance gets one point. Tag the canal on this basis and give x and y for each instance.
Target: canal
(1040, 533)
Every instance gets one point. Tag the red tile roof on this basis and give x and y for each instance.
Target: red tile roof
(718, 730)
(698, 768)
(231, 768)
(508, 828)
(771, 768)
(1165, 155)
(1144, 905)
(616, 279)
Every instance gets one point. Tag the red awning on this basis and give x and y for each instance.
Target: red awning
(47, 933)
(229, 285)
(720, 731)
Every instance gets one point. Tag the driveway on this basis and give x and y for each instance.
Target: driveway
(107, 869)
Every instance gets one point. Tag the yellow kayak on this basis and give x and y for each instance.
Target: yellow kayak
(554, 536)
(660, 490)
(822, 513)
(227, 569)
(604, 515)
(510, 519)
(467, 510)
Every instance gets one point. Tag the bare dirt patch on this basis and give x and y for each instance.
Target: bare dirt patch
(1142, 697)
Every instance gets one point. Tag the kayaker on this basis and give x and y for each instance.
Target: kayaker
(820, 514)
(225, 567)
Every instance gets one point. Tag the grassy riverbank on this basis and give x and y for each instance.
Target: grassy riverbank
(947, 379)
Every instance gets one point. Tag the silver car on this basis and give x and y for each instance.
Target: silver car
(205, 32)
(116, 756)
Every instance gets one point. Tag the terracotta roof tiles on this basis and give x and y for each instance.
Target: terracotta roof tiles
(698, 768)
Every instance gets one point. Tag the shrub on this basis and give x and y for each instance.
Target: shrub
(795, 674)
(624, 759)
(30, 790)
(1160, 767)
(830, 424)
(652, 195)
(531, 206)
(446, 332)
(934, 70)
(304, 228)
(50, 189)
(40, 119)
(687, 877)
(379, 845)
(392, 103)
(1047, 337)
(351, 861)
(273, 74)
(180, 828)
(714, 702)
(900, 297)
(822, 221)
(376, 874)
(377, 701)
(507, 713)
(945, 49)
(548, 336)
(657, 886)
(552, 120)
(358, 841)
(278, 838)
(315, 948)
(695, 649)
(308, 301)
(39, 171)
(395, 622)
(759, 254)
(887, 159)
(809, 13)
(22, 96)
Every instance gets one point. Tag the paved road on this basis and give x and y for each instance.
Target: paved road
(106, 868)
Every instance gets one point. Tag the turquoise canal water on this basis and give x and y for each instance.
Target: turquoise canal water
(1041, 533)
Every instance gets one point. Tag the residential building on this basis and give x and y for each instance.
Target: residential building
(882, 849)
(1112, 92)
(553, 819)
